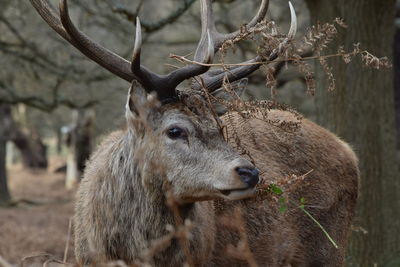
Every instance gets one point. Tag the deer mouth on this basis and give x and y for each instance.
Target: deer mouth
(236, 194)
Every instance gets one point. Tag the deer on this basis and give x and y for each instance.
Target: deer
(175, 150)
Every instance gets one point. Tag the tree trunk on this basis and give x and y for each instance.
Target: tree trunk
(4, 193)
(396, 68)
(33, 151)
(79, 145)
(361, 110)
(4, 123)
(59, 140)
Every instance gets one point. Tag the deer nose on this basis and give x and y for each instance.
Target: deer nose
(249, 175)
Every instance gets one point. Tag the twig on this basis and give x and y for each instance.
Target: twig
(4, 263)
(182, 232)
(57, 261)
(68, 240)
(46, 262)
(242, 250)
(34, 256)
(184, 59)
(320, 226)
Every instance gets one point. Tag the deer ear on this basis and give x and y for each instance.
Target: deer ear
(139, 106)
(137, 97)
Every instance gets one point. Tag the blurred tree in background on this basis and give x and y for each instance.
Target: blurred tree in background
(4, 192)
(52, 81)
(361, 110)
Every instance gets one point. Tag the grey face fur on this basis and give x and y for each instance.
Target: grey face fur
(183, 144)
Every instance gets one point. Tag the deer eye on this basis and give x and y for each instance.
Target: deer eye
(176, 133)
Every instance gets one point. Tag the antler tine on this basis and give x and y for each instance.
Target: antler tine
(138, 45)
(104, 57)
(293, 22)
(46, 11)
(262, 11)
(213, 81)
(94, 51)
(147, 78)
(206, 55)
(202, 54)
(165, 85)
(208, 23)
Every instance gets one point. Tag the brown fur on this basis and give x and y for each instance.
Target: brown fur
(121, 202)
(330, 191)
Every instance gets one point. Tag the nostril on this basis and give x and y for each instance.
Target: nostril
(255, 172)
(247, 171)
(248, 175)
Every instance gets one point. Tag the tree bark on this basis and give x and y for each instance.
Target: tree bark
(4, 123)
(33, 151)
(59, 140)
(4, 193)
(361, 110)
(79, 145)
(396, 68)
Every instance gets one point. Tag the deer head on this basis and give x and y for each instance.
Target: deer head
(182, 141)
(177, 130)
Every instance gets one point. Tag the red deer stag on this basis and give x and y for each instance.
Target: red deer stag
(174, 140)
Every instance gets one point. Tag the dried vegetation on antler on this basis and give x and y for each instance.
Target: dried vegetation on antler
(274, 47)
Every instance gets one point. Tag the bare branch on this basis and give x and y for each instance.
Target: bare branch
(13, 98)
(150, 27)
(35, 56)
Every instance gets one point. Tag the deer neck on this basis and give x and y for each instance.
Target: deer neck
(144, 215)
(158, 222)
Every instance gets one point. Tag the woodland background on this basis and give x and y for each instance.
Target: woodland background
(55, 105)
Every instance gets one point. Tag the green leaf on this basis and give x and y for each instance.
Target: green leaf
(282, 205)
(275, 189)
(302, 202)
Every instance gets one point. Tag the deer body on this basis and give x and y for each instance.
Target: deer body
(330, 191)
(117, 216)
(172, 166)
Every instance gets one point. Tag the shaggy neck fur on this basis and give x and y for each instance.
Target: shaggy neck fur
(141, 209)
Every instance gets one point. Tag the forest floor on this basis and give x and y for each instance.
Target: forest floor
(36, 228)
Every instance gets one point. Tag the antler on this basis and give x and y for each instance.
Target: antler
(213, 80)
(164, 85)
(208, 24)
(92, 50)
(169, 82)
